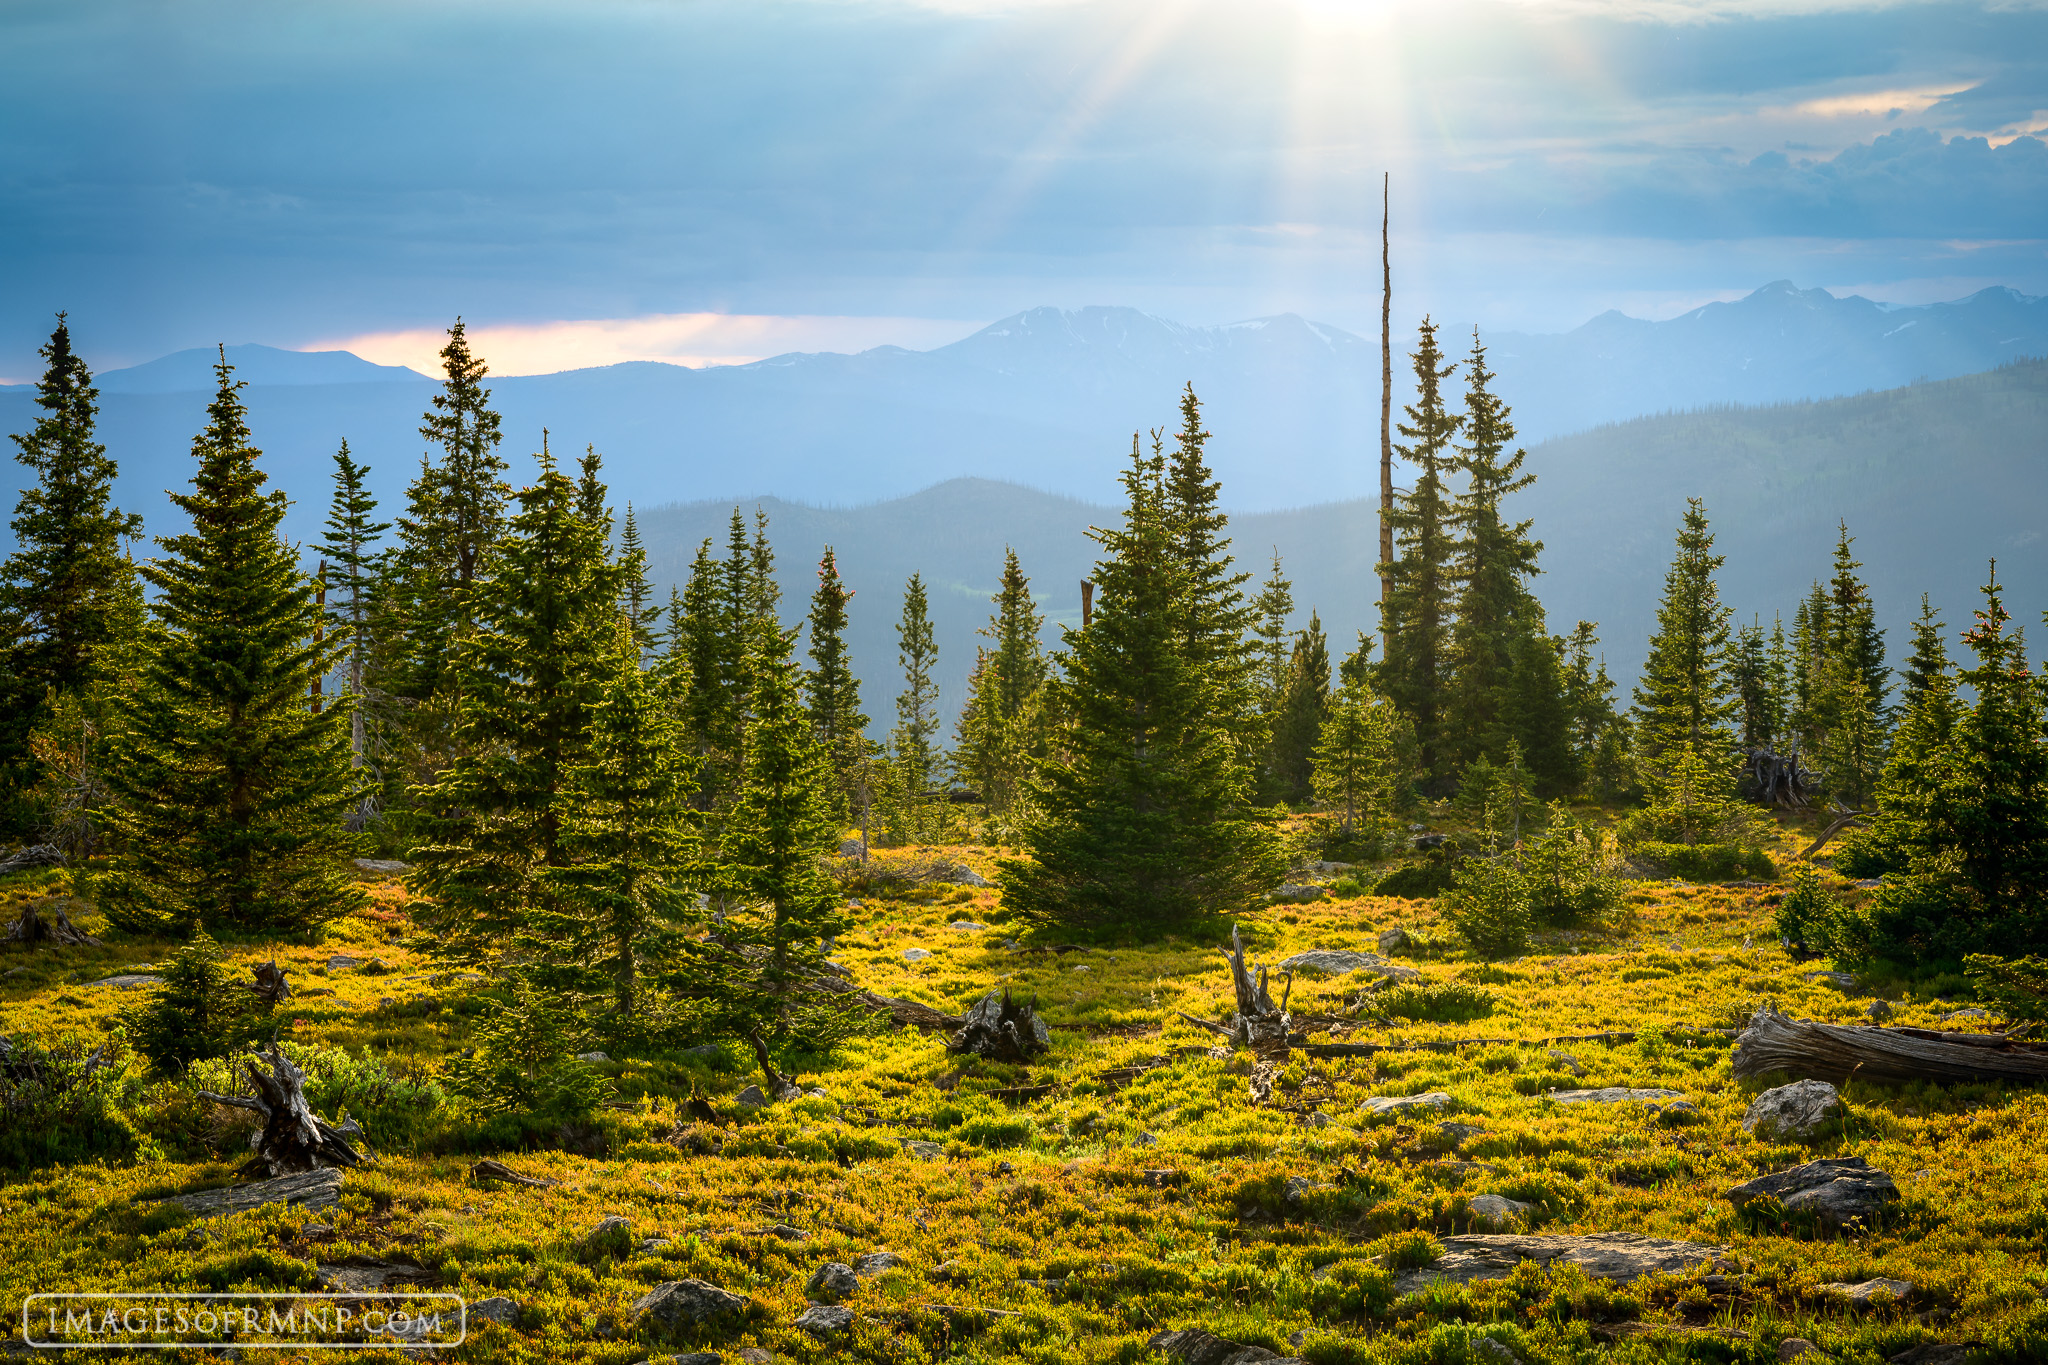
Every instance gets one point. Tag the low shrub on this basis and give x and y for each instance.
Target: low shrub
(1441, 1002)
(524, 1064)
(1489, 905)
(64, 1103)
(1424, 880)
(197, 1013)
(1861, 857)
(1809, 916)
(1567, 872)
(1704, 862)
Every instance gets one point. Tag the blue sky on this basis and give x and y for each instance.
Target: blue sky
(702, 180)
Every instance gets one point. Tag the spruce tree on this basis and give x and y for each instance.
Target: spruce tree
(636, 595)
(756, 975)
(1143, 820)
(1001, 727)
(1534, 714)
(623, 896)
(1588, 700)
(1494, 560)
(1918, 764)
(353, 566)
(1216, 618)
(831, 691)
(531, 674)
(233, 787)
(1415, 655)
(1750, 668)
(1684, 702)
(63, 589)
(1303, 706)
(917, 706)
(1356, 759)
(593, 498)
(1979, 857)
(1274, 606)
(1928, 664)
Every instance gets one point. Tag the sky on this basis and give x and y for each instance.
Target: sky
(709, 181)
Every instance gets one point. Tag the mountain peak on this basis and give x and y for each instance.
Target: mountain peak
(192, 371)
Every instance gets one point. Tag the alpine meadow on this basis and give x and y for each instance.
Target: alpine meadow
(541, 847)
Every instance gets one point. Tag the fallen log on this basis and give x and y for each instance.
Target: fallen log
(31, 856)
(293, 1138)
(1840, 823)
(1773, 1042)
(498, 1170)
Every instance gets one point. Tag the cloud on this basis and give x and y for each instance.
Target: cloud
(692, 339)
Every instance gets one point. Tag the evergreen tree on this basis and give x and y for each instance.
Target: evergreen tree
(1001, 726)
(1534, 714)
(756, 975)
(1854, 633)
(1415, 667)
(353, 566)
(1684, 702)
(233, 788)
(636, 599)
(455, 512)
(1918, 764)
(831, 692)
(623, 895)
(1493, 562)
(1274, 606)
(1588, 698)
(1216, 618)
(531, 674)
(1357, 668)
(1758, 687)
(917, 706)
(593, 498)
(1928, 664)
(1304, 705)
(1143, 818)
(1979, 857)
(63, 589)
(1356, 759)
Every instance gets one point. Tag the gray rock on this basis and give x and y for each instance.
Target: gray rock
(754, 1355)
(962, 875)
(338, 963)
(1680, 1111)
(311, 1190)
(922, 1150)
(129, 981)
(592, 1057)
(831, 1282)
(1878, 1010)
(752, 1097)
(1615, 1094)
(1954, 1015)
(1402, 1105)
(1842, 1192)
(650, 1245)
(1329, 869)
(1864, 1294)
(365, 1275)
(916, 954)
(1619, 1256)
(965, 924)
(786, 1233)
(386, 865)
(1394, 940)
(1193, 1346)
(675, 1304)
(1459, 1133)
(849, 848)
(875, 1262)
(1566, 1060)
(1295, 891)
(1144, 1140)
(1793, 1348)
(1337, 962)
(1497, 1209)
(1793, 1112)
(1316, 1118)
(1300, 1187)
(496, 1309)
(1845, 982)
(824, 1320)
(1424, 842)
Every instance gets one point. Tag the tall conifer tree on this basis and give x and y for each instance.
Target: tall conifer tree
(353, 564)
(917, 706)
(1303, 708)
(1415, 655)
(1274, 606)
(1001, 727)
(1684, 702)
(831, 691)
(233, 787)
(63, 591)
(1216, 617)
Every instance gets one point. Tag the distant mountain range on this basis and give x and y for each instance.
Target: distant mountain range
(1048, 399)
(1933, 480)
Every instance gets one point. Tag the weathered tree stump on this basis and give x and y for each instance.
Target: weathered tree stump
(1835, 1052)
(292, 1138)
(1781, 779)
(269, 986)
(1260, 1026)
(33, 928)
(33, 855)
(1002, 1030)
(780, 1087)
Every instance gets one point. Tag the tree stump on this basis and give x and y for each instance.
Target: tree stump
(270, 986)
(293, 1138)
(1781, 780)
(1002, 1030)
(33, 928)
(1260, 1026)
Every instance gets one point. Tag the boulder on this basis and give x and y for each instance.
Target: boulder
(676, 1304)
(496, 1309)
(1794, 1348)
(875, 1262)
(365, 1275)
(1459, 1133)
(1296, 893)
(1145, 1140)
(967, 924)
(1865, 1294)
(850, 848)
(129, 981)
(922, 1150)
(963, 875)
(1793, 1112)
(1405, 1105)
(1300, 1187)
(1845, 982)
(831, 1282)
(1841, 1192)
(1193, 1346)
(380, 865)
(1616, 1094)
(786, 1233)
(824, 1320)
(610, 1237)
(1497, 1209)
(1566, 1060)
(592, 1057)
(916, 954)
(1394, 940)
(310, 1190)
(1878, 1011)
(753, 1097)
(1337, 962)
(1619, 1256)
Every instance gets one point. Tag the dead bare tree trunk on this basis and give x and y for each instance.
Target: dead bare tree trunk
(269, 986)
(1386, 405)
(1260, 1026)
(1002, 1030)
(1813, 1051)
(293, 1138)
(33, 928)
(780, 1087)
(1840, 823)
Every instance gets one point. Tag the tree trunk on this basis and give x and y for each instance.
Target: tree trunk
(1808, 1050)
(1260, 1025)
(1002, 1030)
(293, 1138)
(33, 928)
(1386, 404)
(780, 1087)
